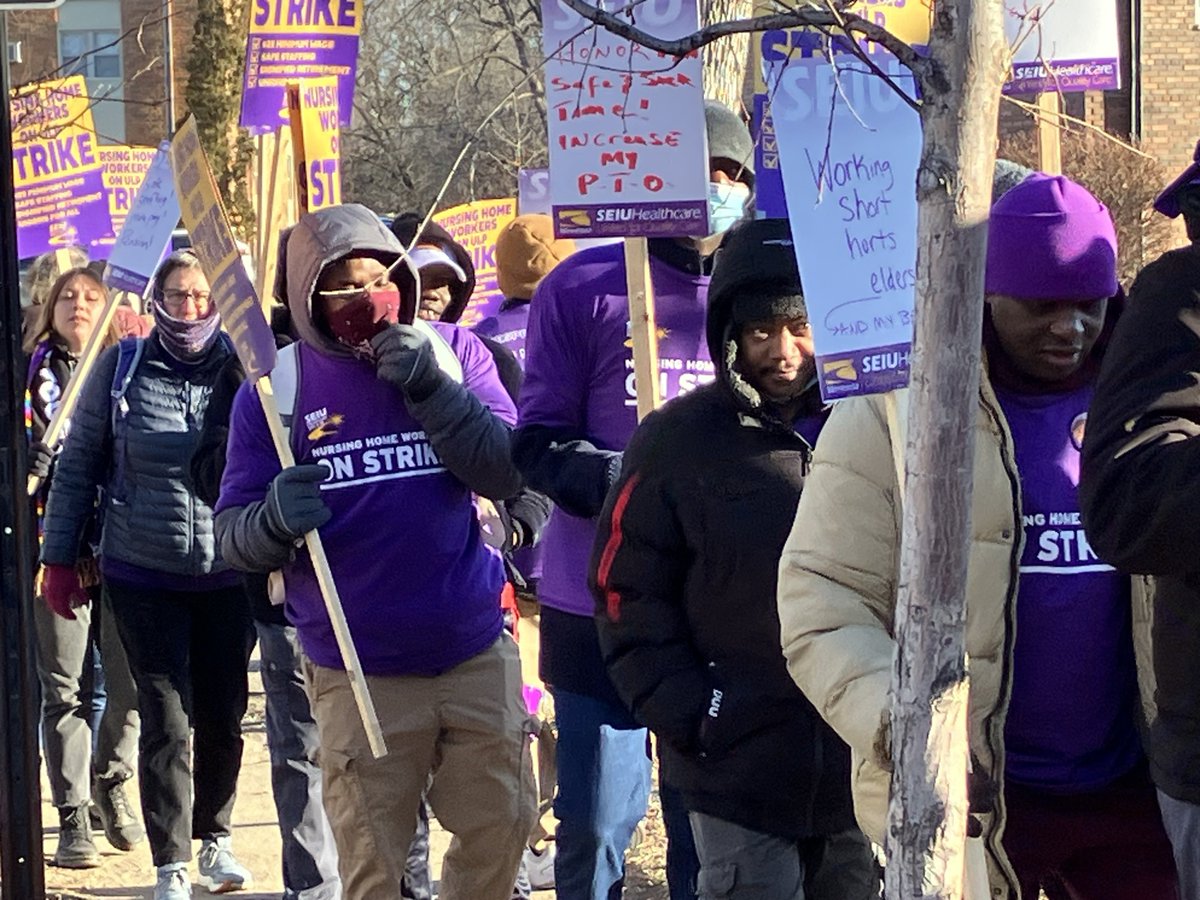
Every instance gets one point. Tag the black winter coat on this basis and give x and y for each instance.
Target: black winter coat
(1140, 487)
(684, 571)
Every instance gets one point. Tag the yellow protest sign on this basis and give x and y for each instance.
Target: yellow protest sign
(57, 174)
(476, 226)
(313, 109)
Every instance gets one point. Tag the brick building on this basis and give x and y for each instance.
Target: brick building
(118, 45)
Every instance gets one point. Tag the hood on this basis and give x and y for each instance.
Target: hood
(325, 236)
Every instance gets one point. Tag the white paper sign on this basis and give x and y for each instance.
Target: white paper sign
(628, 153)
(851, 197)
(147, 230)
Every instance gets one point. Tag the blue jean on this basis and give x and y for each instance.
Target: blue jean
(309, 855)
(603, 787)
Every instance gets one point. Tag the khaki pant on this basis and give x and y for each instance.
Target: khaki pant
(468, 729)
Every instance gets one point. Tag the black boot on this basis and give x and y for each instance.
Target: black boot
(121, 826)
(76, 849)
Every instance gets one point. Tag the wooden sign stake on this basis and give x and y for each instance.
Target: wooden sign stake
(643, 331)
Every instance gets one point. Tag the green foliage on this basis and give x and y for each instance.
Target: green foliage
(214, 94)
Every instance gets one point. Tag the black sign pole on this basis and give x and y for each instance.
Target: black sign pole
(21, 872)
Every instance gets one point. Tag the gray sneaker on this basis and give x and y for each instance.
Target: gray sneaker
(220, 871)
(172, 883)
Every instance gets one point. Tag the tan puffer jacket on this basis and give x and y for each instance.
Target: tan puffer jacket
(837, 590)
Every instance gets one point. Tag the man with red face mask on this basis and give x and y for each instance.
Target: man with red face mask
(395, 424)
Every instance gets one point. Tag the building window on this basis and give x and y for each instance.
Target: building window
(94, 54)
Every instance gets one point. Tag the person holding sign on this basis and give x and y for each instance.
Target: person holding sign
(396, 424)
(68, 643)
(181, 612)
(684, 574)
(1139, 501)
(1059, 791)
(578, 410)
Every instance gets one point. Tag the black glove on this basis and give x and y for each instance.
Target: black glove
(40, 459)
(294, 505)
(404, 359)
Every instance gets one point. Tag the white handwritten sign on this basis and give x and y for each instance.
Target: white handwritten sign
(628, 153)
(849, 174)
(147, 230)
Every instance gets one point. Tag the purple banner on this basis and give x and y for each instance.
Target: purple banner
(1065, 75)
(645, 219)
(289, 42)
(68, 211)
(874, 370)
(769, 200)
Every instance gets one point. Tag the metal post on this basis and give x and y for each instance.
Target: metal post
(169, 64)
(20, 789)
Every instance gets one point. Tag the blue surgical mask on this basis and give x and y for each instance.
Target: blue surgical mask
(726, 205)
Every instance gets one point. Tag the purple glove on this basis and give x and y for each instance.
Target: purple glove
(62, 590)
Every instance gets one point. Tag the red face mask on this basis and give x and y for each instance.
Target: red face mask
(355, 323)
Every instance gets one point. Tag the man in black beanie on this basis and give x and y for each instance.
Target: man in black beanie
(684, 575)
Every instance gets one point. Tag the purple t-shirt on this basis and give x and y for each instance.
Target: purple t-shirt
(1072, 718)
(508, 327)
(579, 375)
(420, 589)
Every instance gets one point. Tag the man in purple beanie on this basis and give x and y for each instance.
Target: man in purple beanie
(1060, 792)
(1141, 481)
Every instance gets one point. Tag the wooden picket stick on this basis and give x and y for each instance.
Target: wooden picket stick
(1050, 132)
(70, 394)
(643, 331)
(329, 591)
(277, 214)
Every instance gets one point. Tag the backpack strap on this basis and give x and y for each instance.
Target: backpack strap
(447, 361)
(285, 379)
(129, 354)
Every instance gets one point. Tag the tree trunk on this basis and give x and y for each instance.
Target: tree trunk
(725, 60)
(927, 816)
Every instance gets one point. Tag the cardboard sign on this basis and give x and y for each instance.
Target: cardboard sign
(476, 226)
(851, 199)
(1063, 45)
(58, 178)
(292, 41)
(213, 242)
(313, 108)
(146, 232)
(628, 151)
(124, 170)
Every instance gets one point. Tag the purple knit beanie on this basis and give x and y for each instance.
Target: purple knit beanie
(1050, 239)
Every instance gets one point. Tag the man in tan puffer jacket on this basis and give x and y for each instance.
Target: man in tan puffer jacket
(1059, 784)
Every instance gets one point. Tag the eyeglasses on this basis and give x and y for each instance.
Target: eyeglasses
(347, 295)
(175, 299)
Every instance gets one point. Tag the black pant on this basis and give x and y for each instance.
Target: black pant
(189, 653)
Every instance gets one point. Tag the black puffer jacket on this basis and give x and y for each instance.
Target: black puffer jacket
(1139, 487)
(152, 518)
(684, 572)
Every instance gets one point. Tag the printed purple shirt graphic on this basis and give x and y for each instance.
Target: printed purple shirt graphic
(508, 327)
(1071, 721)
(579, 375)
(420, 589)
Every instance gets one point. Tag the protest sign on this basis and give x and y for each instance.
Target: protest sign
(124, 169)
(146, 233)
(1063, 46)
(628, 153)
(476, 226)
(214, 244)
(235, 298)
(58, 178)
(290, 41)
(850, 178)
(910, 22)
(313, 109)
(533, 191)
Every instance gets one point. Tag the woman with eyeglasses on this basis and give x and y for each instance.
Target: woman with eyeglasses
(181, 612)
(81, 664)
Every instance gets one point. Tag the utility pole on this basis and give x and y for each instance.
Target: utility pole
(20, 789)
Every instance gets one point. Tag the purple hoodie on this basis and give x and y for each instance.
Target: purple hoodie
(579, 375)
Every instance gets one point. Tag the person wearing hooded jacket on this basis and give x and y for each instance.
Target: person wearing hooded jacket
(1138, 490)
(684, 572)
(1057, 640)
(181, 613)
(578, 410)
(396, 427)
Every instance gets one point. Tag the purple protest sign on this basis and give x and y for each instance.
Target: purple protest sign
(533, 191)
(58, 177)
(1062, 45)
(289, 42)
(628, 153)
